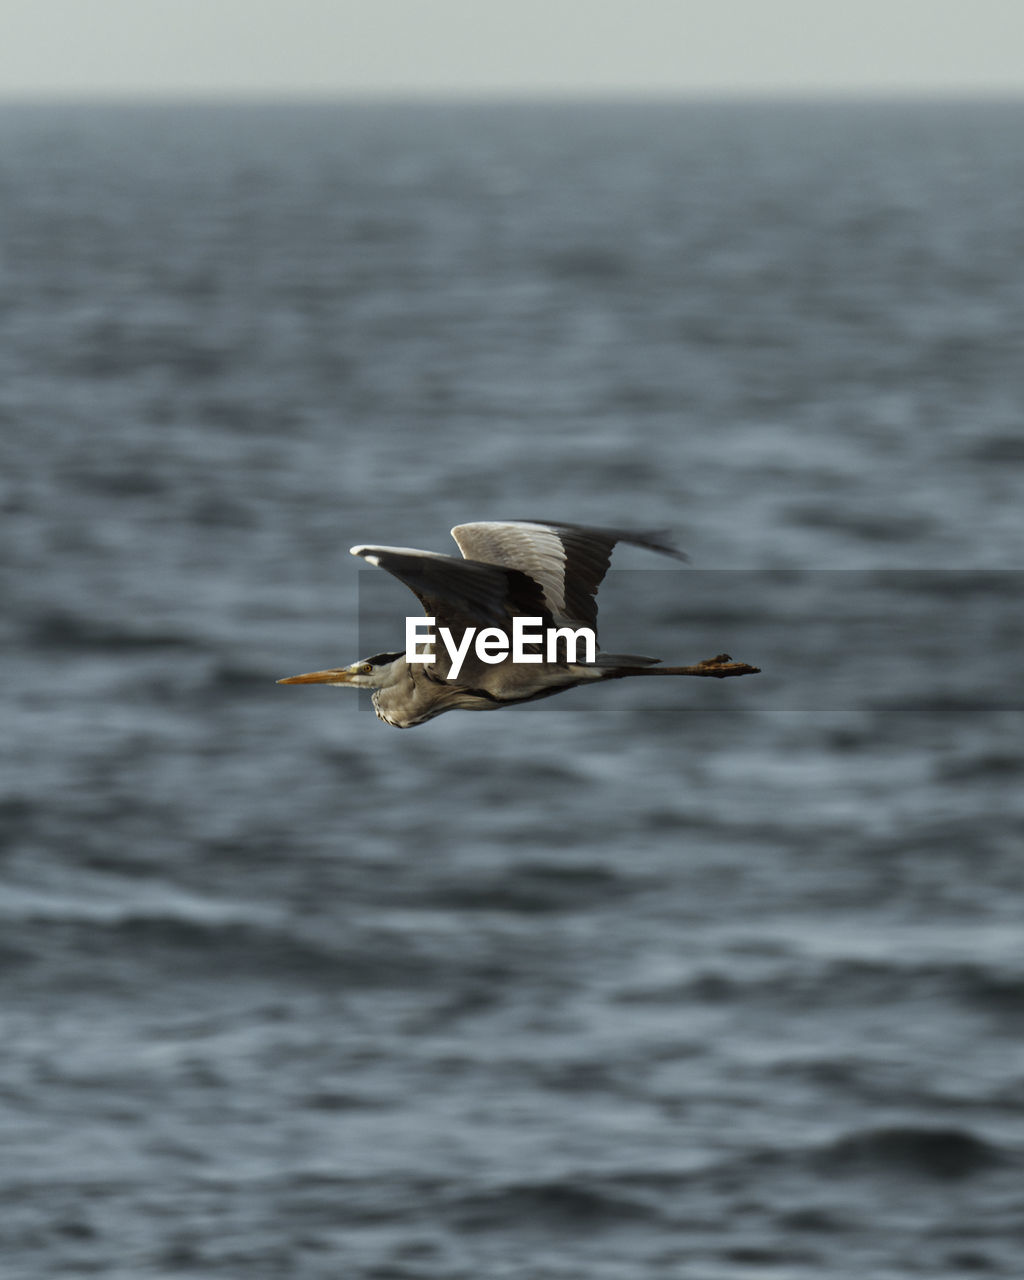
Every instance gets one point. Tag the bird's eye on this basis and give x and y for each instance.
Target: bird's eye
(366, 668)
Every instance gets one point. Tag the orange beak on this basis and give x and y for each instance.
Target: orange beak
(337, 675)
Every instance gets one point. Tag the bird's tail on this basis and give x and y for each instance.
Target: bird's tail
(623, 660)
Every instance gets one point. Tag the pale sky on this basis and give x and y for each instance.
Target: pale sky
(275, 48)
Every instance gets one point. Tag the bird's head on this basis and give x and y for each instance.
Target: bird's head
(368, 673)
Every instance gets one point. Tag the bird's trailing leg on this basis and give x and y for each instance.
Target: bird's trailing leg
(720, 667)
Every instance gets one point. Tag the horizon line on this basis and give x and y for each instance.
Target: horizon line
(138, 96)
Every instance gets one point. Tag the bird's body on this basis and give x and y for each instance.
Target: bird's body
(412, 697)
(509, 570)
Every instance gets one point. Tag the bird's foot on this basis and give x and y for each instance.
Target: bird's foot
(722, 665)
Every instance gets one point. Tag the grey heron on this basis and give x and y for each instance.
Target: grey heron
(509, 571)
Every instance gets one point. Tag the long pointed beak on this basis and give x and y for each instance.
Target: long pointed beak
(337, 675)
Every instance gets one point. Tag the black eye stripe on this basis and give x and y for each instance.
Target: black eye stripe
(380, 659)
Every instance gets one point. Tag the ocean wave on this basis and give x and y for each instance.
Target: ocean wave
(1001, 765)
(554, 1204)
(797, 982)
(123, 946)
(913, 1150)
(60, 629)
(534, 889)
(927, 1153)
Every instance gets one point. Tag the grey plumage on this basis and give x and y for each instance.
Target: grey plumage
(508, 569)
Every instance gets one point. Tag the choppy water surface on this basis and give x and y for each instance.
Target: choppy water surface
(656, 980)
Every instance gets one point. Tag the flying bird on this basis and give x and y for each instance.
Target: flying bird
(516, 577)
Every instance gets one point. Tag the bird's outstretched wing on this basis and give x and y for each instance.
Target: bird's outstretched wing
(460, 593)
(568, 561)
